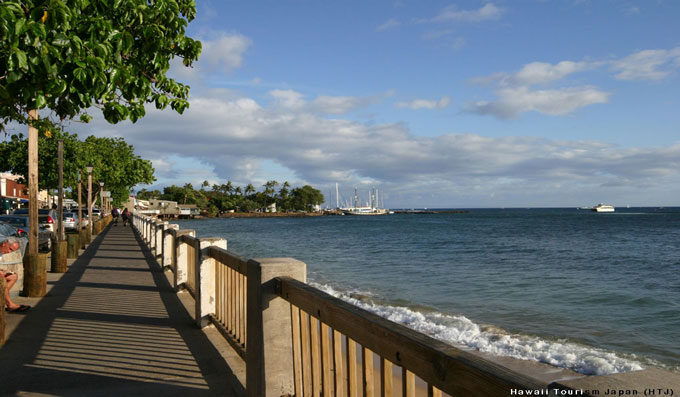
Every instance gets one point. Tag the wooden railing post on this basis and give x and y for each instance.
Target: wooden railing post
(159, 239)
(153, 230)
(182, 262)
(147, 230)
(269, 331)
(142, 228)
(168, 246)
(205, 280)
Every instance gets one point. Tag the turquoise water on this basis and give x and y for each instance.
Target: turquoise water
(597, 293)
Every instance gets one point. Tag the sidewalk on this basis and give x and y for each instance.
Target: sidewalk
(112, 325)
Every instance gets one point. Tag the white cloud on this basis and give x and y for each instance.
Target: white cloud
(232, 139)
(536, 73)
(338, 104)
(516, 95)
(512, 102)
(223, 55)
(542, 73)
(226, 52)
(389, 24)
(647, 64)
(288, 98)
(453, 14)
(425, 104)
(325, 104)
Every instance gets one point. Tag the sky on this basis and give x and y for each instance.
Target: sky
(450, 104)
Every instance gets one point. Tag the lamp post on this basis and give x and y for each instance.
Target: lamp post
(101, 199)
(89, 169)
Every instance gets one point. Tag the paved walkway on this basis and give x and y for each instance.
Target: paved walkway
(111, 325)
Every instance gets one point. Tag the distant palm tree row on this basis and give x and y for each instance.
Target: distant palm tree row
(228, 197)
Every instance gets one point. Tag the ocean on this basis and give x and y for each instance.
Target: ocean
(597, 293)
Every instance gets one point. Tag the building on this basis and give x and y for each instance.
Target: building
(188, 210)
(12, 193)
(165, 208)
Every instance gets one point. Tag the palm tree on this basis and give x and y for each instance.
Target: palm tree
(269, 189)
(249, 189)
(228, 188)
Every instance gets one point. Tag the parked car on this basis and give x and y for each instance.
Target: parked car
(51, 216)
(21, 224)
(86, 218)
(70, 220)
(9, 232)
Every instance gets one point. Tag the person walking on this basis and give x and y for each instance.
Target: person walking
(126, 216)
(115, 213)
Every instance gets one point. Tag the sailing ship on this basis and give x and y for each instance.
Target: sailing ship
(370, 209)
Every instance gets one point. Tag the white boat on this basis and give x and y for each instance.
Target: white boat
(371, 209)
(364, 211)
(603, 208)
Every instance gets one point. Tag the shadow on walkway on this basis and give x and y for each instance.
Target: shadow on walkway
(112, 325)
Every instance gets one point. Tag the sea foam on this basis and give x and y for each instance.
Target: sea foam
(462, 331)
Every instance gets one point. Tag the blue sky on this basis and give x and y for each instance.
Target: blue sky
(437, 103)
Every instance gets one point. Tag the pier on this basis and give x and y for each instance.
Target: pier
(155, 310)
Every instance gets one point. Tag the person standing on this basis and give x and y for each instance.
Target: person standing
(10, 279)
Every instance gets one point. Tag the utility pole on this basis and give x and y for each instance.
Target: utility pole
(60, 211)
(80, 203)
(89, 201)
(33, 184)
(35, 267)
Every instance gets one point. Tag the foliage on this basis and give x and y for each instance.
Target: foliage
(68, 55)
(304, 198)
(113, 160)
(14, 158)
(228, 197)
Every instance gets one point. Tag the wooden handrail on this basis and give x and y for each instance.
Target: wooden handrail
(443, 366)
(229, 259)
(188, 239)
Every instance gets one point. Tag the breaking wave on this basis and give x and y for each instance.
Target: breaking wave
(460, 330)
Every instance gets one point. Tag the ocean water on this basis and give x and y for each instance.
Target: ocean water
(597, 293)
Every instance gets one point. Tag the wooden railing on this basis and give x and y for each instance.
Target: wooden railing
(335, 345)
(298, 340)
(192, 244)
(231, 304)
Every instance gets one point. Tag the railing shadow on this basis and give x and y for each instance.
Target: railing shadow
(96, 336)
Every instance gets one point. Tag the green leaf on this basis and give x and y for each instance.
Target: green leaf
(19, 26)
(14, 76)
(22, 60)
(40, 101)
(80, 74)
(61, 40)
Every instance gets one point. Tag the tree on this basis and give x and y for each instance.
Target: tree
(148, 194)
(306, 197)
(116, 164)
(283, 199)
(113, 159)
(70, 55)
(269, 191)
(14, 152)
(250, 189)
